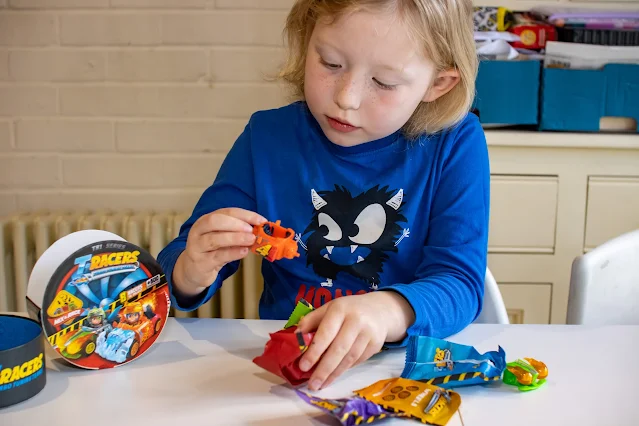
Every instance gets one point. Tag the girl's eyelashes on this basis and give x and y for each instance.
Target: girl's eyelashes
(384, 86)
(334, 67)
(329, 65)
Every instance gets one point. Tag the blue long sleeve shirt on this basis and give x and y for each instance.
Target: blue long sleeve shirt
(391, 214)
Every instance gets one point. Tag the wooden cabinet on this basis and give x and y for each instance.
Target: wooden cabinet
(527, 303)
(523, 214)
(612, 208)
(554, 196)
(581, 4)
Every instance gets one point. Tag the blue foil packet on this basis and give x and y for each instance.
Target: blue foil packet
(447, 365)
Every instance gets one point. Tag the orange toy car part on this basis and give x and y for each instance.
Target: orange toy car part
(542, 370)
(527, 374)
(274, 242)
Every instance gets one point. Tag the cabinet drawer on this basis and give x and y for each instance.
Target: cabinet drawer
(527, 303)
(523, 214)
(612, 209)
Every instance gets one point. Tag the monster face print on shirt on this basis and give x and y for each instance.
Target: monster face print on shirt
(353, 234)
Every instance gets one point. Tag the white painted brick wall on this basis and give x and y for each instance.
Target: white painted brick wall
(5, 136)
(128, 104)
(18, 28)
(4, 65)
(63, 135)
(28, 100)
(132, 104)
(55, 4)
(30, 171)
(56, 65)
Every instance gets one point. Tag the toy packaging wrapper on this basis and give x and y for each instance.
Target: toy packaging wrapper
(282, 354)
(351, 411)
(301, 309)
(527, 374)
(448, 365)
(285, 347)
(419, 400)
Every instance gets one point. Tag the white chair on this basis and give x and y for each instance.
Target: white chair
(494, 310)
(604, 283)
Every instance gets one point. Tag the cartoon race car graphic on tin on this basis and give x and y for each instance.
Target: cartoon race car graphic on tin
(136, 326)
(83, 342)
(274, 242)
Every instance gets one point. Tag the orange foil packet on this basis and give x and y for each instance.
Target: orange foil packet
(428, 403)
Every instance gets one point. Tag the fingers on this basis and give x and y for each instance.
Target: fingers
(236, 216)
(338, 352)
(373, 348)
(228, 219)
(329, 327)
(346, 336)
(312, 320)
(227, 255)
(224, 228)
(362, 342)
(247, 216)
(215, 222)
(218, 240)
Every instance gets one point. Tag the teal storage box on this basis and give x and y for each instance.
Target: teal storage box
(507, 92)
(576, 100)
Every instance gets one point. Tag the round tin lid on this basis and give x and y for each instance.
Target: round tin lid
(22, 362)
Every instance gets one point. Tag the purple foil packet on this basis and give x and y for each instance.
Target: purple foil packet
(350, 411)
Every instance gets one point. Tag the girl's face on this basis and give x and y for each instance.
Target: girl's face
(364, 77)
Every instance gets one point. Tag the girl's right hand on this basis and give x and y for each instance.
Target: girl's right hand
(214, 240)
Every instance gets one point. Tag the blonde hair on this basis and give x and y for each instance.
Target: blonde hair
(445, 29)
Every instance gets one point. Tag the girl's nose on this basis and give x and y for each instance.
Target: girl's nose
(348, 94)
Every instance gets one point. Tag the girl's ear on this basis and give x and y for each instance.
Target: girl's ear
(443, 83)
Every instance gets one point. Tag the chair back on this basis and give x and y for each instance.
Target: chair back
(604, 284)
(494, 309)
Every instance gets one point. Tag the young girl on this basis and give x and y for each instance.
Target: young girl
(379, 168)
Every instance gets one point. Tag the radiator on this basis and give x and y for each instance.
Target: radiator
(24, 237)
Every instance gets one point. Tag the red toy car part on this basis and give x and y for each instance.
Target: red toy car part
(274, 242)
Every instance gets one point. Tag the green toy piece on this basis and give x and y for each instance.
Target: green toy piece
(301, 309)
(522, 374)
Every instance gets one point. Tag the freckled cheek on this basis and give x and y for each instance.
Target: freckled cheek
(320, 81)
(385, 105)
(389, 98)
(316, 73)
(312, 85)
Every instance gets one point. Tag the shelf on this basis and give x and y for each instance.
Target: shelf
(523, 138)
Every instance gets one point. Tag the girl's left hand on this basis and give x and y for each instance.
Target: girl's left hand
(349, 330)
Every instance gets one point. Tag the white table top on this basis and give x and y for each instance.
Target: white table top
(200, 372)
